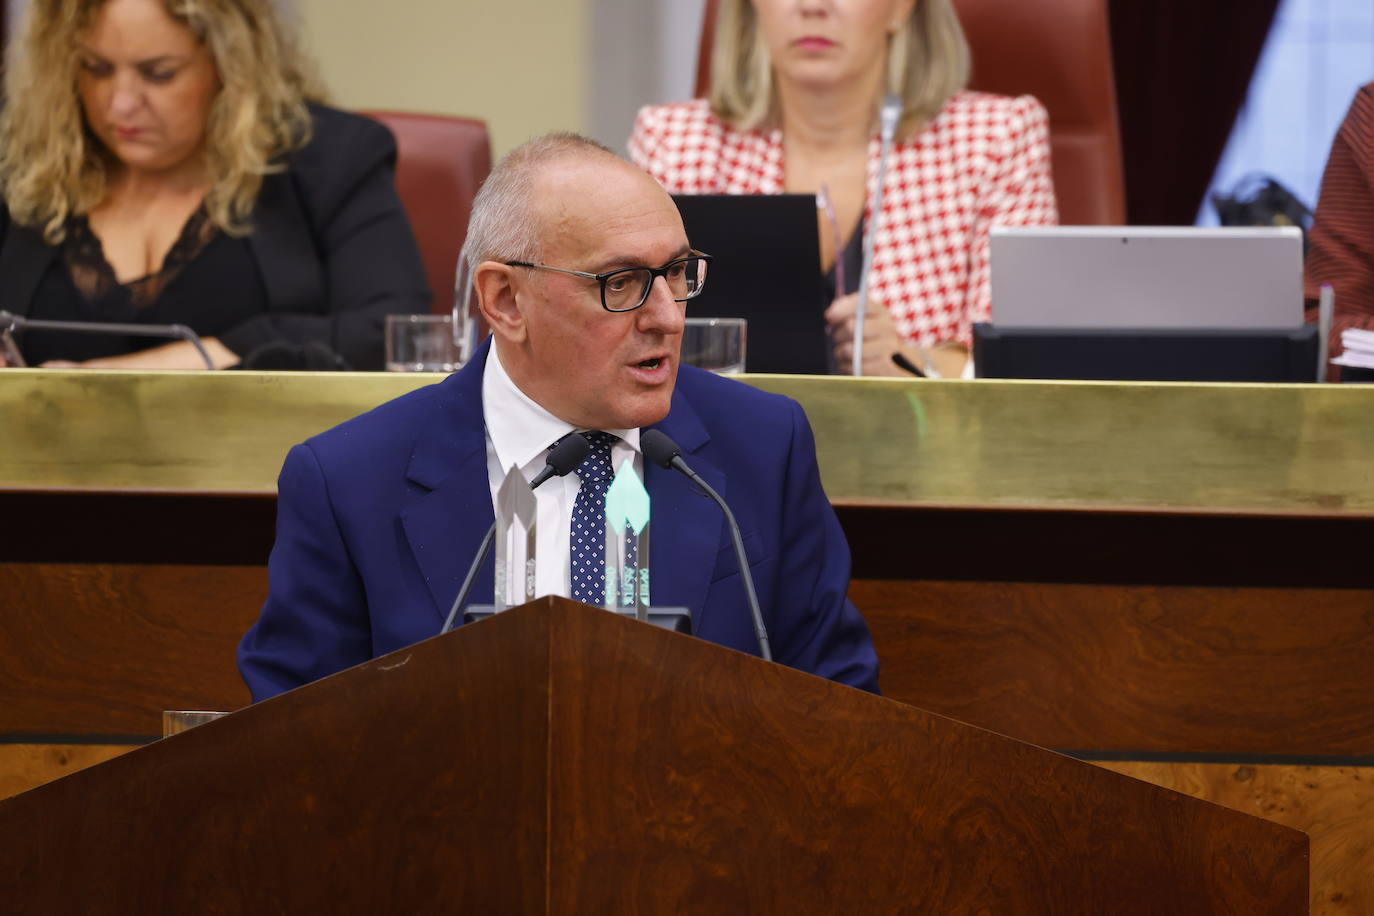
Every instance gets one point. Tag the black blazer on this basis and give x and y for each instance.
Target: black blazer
(330, 237)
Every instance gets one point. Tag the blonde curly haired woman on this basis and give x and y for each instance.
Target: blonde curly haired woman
(795, 92)
(160, 163)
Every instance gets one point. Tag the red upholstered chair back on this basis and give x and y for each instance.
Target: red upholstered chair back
(1060, 52)
(441, 162)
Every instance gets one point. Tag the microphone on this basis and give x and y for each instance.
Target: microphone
(565, 455)
(888, 117)
(664, 452)
(10, 322)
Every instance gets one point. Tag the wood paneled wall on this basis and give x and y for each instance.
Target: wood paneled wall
(1227, 655)
(1134, 667)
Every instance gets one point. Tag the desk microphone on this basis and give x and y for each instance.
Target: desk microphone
(10, 322)
(888, 117)
(665, 453)
(565, 455)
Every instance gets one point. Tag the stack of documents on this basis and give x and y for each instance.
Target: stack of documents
(1358, 345)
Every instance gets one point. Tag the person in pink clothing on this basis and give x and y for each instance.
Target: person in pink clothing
(795, 91)
(1341, 241)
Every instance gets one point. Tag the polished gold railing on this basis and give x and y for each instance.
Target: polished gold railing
(1261, 448)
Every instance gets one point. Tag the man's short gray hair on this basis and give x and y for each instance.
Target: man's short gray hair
(504, 225)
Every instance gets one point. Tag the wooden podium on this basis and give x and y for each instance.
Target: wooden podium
(560, 759)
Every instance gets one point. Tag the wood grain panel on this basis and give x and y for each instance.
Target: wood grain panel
(670, 773)
(103, 649)
(691, 779)
(361, 793)
(1333, 805)
(24, 766)
(1134, 668)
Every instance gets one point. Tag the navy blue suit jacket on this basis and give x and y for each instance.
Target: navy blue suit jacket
(378, 519)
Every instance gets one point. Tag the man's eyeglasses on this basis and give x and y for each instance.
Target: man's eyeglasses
(627, 289)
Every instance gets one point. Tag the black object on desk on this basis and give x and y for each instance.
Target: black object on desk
(766, 269)
(1146, 355)
(1357, 375)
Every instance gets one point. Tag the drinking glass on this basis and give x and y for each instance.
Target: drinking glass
(421, 343)
(716, 344)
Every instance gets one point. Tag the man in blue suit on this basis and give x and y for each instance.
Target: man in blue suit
(378, 518)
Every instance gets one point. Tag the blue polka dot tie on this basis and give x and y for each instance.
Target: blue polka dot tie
(587, 545)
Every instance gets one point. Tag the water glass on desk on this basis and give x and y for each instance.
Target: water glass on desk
(421, 343)
(716, 344)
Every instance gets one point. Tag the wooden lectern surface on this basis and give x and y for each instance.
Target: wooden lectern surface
(969, 821)
(557, 759)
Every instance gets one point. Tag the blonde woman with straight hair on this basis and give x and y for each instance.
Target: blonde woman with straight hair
(167, 161)
(796, 87)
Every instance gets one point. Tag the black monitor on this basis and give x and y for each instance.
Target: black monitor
(1147, 355)
(766, 268)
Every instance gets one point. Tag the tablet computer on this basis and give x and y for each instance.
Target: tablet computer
(766, 268)
(1146, 277)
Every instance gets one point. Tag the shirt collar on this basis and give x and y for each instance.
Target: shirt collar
(521, 430)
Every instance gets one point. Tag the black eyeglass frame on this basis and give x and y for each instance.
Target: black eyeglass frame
(601, 279)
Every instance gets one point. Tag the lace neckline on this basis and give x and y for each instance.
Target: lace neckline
(95, 278)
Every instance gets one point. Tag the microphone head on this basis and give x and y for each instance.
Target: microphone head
(658, 448)
(890, 113)
(568, 453)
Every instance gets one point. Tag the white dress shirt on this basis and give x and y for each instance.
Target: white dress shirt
(519, 433)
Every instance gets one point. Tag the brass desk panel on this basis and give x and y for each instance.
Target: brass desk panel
(175, 431)
(1303, 449)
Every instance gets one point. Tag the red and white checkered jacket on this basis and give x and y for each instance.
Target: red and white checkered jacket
(983, 161)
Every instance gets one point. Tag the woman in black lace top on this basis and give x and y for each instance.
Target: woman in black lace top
(187, 180)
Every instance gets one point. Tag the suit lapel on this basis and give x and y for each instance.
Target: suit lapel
(685, 525)
(445, 523)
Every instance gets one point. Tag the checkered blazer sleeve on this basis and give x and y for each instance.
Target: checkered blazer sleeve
(1020, 192)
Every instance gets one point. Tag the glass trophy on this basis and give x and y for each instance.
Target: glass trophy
(515, 537)
(627, 544)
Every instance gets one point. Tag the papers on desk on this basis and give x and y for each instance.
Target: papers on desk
(1358, 347)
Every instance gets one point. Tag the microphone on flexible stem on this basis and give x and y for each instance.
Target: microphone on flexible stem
(10, 322)
(565, 455)
(888, 117)
(665, 453)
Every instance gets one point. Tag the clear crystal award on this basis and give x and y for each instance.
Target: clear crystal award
(627, 543)
(515, 539)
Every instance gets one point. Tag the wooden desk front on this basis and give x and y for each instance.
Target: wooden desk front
(1169, 579)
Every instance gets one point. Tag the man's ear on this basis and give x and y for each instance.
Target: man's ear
(495, 285)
